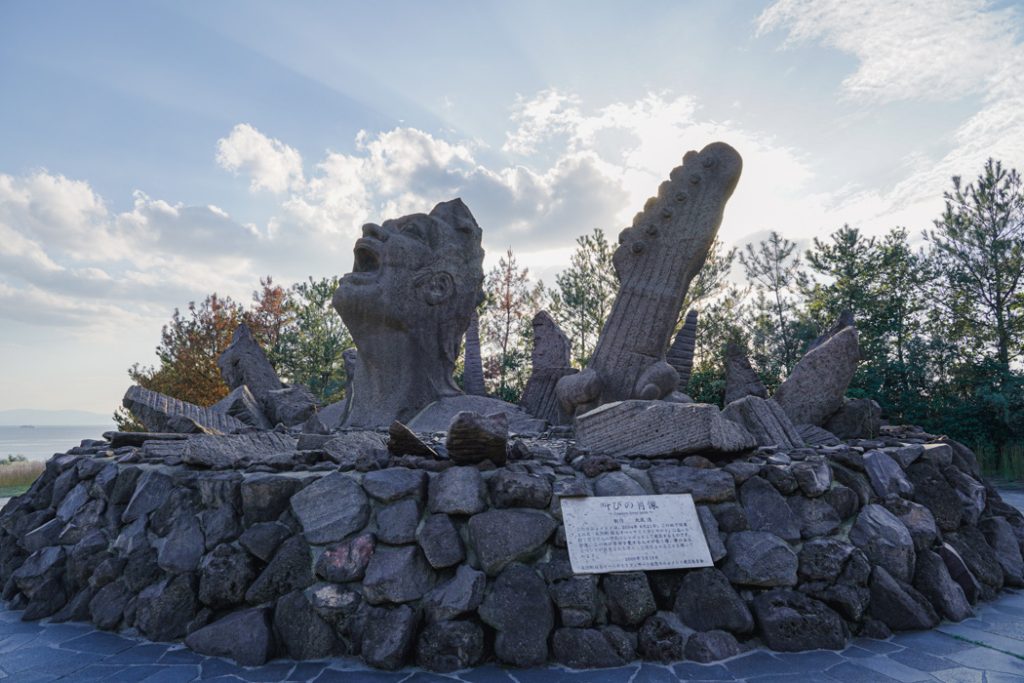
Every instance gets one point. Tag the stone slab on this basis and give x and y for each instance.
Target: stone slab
(161, 413)
(659, 428)
(634, 533)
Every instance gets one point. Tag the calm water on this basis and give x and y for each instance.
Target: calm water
(39, 443)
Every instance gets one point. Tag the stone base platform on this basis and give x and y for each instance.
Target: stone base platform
(403, 560)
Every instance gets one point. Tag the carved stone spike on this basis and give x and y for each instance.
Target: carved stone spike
(473, 438)
(814, 390)
(656, 260)
(350, 357)
(550, 363)
(244, 362)
(473, 367)
(403, 441)
(550, 345)
(845, 320)
(680, 354)
(407, 302)
(740, 378)
(658, 428)
(765, 420)
(161, 413)
(242, 405)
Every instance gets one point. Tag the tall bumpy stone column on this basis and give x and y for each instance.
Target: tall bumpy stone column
(473, 367)
(656, 260)
(550, 363)
(680, 354)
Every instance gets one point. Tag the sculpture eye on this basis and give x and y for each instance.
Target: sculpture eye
(414, 230)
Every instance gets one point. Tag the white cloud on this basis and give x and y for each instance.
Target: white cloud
(922, 50)
(270, 164)
(906, 50)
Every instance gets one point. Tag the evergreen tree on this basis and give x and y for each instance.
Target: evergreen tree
(771, 269)
(510, 302)
(584, 294)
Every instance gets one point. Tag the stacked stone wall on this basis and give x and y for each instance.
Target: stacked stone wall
(448, 567)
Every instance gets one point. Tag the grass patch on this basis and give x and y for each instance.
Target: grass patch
(1006, 464)
(16, 477)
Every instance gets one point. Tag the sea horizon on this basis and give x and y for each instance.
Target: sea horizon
(43, 441)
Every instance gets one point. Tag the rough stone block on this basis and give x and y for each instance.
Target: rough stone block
(658, 428)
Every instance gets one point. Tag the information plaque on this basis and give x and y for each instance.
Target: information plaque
(634, 533)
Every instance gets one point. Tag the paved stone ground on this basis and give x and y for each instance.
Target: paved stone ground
(988, 648)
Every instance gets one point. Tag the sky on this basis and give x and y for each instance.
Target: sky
(154, 152)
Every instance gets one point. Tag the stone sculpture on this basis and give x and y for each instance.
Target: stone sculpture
(407, 302)
(656, 260)
(161, 413)
(550, 360)
(414, 287)
(814, 389)
(740, 378)
(680, 354)
(473, 368)
(244, 363)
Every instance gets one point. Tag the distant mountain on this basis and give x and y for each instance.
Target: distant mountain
(50, 418)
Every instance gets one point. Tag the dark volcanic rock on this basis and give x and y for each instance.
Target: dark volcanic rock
(1004, 543)
(898, 605)
(813, 477)
(822, 559)
(263, 539)
(759, 558)
(628, 597)
(243, 636)
(844, 499)
(266, 496)
(303, 633)
(815, 515)
(587, 648)
(151, 491)
(224, 575)
(331, 509)
(107, 606)
(388, 636)
(793, 622)
(886, 476)
(165, 609)
(766, 510)
(917, 518)
(397, 574)
(395, 483)
(519, 489)
(979, 557)
(706, 601)
(450, 645)
(707, 486)
(346, 561)
(458, 491)
(183, 547)
(500, 537)
(711, 646)
(440, 541)
(960, 573)
(885, 540)
(663, 638)
(397, 522)
(932, 578)
(290, 570)
(933, 491)
(577, 599)
(519, 609)
(457, 596)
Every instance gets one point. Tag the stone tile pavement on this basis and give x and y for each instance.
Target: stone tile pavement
(988, 648)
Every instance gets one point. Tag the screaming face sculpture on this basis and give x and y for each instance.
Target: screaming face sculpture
(414, 284)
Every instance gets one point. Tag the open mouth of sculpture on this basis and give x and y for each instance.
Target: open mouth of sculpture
(367, 260)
